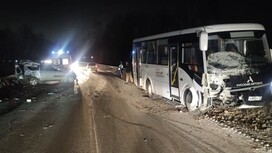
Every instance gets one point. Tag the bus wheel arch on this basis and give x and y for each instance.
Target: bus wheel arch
(191, 100)
(149, 88)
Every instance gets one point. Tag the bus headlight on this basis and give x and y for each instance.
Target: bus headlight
(215, 89)
(214, 86)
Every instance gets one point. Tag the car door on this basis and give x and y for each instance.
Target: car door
(57, 74)
(50, 73)
(45, 72)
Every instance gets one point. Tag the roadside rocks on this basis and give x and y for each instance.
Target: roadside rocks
(255, 124)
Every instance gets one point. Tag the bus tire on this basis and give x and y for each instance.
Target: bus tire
(149, 89)
(191, 106)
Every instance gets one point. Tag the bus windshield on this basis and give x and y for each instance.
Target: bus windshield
(227, 50)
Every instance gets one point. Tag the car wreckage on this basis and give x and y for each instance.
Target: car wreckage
(33, 73)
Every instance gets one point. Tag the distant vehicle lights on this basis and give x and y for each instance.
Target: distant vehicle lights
(48, 61)
(59, 52)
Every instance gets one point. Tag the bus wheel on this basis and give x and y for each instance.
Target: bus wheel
(149, 89)
(190, 104)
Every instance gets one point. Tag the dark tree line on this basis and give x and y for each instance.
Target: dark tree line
(116, 42)
(23, 43)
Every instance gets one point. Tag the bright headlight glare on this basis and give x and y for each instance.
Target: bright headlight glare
(74, 66)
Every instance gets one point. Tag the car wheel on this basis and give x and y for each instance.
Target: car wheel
(33, 81)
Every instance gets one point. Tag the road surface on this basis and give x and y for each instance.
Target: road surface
(109, 116)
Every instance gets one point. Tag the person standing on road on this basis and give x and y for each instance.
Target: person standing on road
(128, 72)
(120, 68)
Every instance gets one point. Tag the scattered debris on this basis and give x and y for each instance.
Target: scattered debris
(255, 124)
(28, 100)
(145, 140)
(107, 116)
(181, 108)
(47, 126)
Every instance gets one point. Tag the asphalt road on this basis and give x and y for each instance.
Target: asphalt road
(125, 120)
(53, 122)
(109, 116)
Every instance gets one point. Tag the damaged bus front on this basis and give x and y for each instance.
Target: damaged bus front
(238, 68)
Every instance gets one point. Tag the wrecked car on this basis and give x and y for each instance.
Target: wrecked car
(36, 73)
(27, 71)
(49, 72)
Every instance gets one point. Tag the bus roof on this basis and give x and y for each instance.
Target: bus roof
(208, 29)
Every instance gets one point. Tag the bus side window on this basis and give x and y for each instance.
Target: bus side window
(190, 56)
(143, 52)
(143, 56)
(162, 55)
(151, 52)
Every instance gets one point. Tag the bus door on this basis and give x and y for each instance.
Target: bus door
(173, 71)
(136, 66)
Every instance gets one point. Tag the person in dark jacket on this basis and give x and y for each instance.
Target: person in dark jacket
(128, 72)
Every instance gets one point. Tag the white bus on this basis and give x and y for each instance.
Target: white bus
(222, 65)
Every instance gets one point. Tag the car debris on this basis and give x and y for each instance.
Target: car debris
(33, 73)
(10, 71)
(43, 72)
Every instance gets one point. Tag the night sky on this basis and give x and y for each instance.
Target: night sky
(105, 29)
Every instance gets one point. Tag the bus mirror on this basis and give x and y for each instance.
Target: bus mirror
(203, 39)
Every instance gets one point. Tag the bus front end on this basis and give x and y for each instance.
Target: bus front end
(239, 68)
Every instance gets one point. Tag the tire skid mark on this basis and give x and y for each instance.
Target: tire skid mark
(203, 129)
(105, 95)
(193, 139)
(95, 132)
